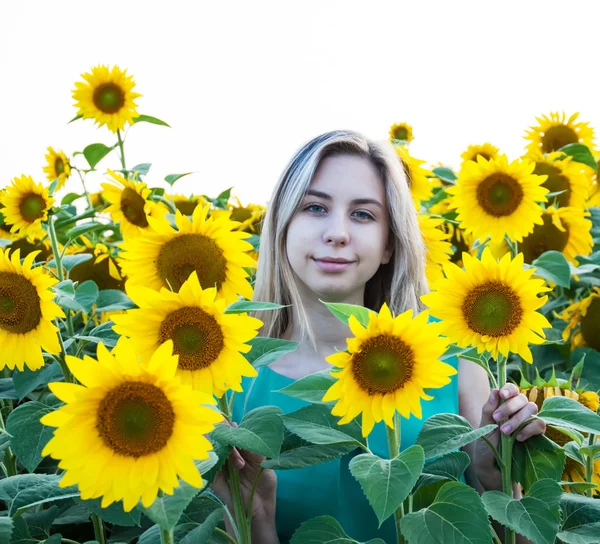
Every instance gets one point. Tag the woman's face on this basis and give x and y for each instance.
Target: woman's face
(339, 236)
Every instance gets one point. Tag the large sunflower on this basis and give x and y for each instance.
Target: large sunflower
(417, 178)
(583, 318)
(131, 428)
(487, 151)
(437, 249)
(27, 311)
(564, 229)
(57, 167)
(209, 343)
(165, 257)
(130, 205)
(387, 367)
(26, 205)
(556, 131)
(249, 216)
(490, 305)
(402, 132)
(101, 268)
(107, 97)
(494, 198)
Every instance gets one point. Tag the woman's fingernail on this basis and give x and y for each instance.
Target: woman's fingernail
(506, 429)
(520, 436)
(505, 393)
(492, 396)
(498, 415)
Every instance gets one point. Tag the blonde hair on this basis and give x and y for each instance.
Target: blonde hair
(400, 283)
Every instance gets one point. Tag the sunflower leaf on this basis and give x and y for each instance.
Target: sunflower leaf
(203, 532)
(445, 174)
(150, 119)
(553, 267)
(267, 350)
(325, 529)
(172, 178)
(39, 492)
(566, 412)
(142, 169)
(244, 306)
(311, 388)
(580, 153)
(450, 467)
(114, 513)
(68, 262)
(535, 459)
(26, 381)
(344, 311)
(6, 529)
(87, 294)
(166, 510)
(94, 153)
(79, 116)
(581, 519)
(578, 487)
(305, 454)
(110, 300)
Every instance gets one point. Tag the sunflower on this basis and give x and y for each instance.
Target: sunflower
(487, 151)
(209, 343)
(42, 248)
(107, 97)
(58, 167)
(386, 368)
(417, 177)
(102, 268)
(165, 257)
(26, 205)
(97, 200)
(27, 311)
(583, 321)
(556, 131)
(437, 249)
(460, 240)
(131, 427)
(565, 230)
(249, 216)
(496, 198)
(187, 205)
(401, 131)
(490, 305)
(130, 204)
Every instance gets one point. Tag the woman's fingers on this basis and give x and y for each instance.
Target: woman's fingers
(536, 427)
(518, 417)
(509, 407)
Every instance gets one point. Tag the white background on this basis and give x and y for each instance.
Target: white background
(245, 83)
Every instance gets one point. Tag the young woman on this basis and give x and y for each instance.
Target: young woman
(341, 227)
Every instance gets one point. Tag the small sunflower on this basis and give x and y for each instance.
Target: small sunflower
(27, 312)
(494, 198)
(131, 428)
(249, 216)
(26, 206)
(57, 167)
(583, 321)
(556, 131)
(97, 200)
(107, 97)
(165, 257)
(490, 305)
(419, 182)
(487, 151)
(25, 245)
(387, 367)
(460, 240)
(187, 205)
(130, 205)
(102, 268)
(565, 230)
(209, 343)
(437, 249)
(401, 131)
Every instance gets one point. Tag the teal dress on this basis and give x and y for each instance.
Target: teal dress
(329, 488)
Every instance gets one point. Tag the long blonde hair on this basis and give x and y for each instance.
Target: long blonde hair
(400, 283)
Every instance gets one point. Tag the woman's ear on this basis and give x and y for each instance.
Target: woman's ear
(387, 253)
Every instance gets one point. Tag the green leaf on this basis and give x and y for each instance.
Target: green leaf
(443, 433)
(7, 388)
(445, 174)
(344, 311)
(52, 187)
(311, 388)
(106, 334)
(325, 530)
(204, 531)
(150, 119)
(79, 116)
(306, 454)
(267, 350)
(549, 492)
(69, 198)
(581, 520)
(386, 483)
(567, 412)
(261, 431)
(110, 300)
(29, 436)
(142, 169)
(457, 515)
(244, 306)
(94, 153)
(114, 513)
(86, 295)
(578, 487)
(449, 467)
(535, 459)
(70, 261)
(580, 153)
(172, 178)
(166, 510)
(6, 527)
(92, 226)
(552, 266)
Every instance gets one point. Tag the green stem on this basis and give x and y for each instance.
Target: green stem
(393, 438)
(120, 141)
(98, 529)
(166, 202)
(10, 468)
(87, 194)
(241, 519)
(226, 536)
(224, 407)
(589, 467)
(59, 270)
(166, 536)
(62, 358)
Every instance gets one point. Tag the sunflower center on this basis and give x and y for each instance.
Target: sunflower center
(544, 238)
(186, 207)
(240, 214)
(483, 155)
(499, 195)
(132, 206)
(20, 310)
(59, 166)
(555, 182)
(109, 98)
(406, 172)
(590, 324)
(558, 136)
(493, 309)
(383, 365)
(98, 272)
(187, 253)
(32, 207)
(400, 133)
(197, 337)
(135, 419)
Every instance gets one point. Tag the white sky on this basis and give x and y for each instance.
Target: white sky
(245, 83)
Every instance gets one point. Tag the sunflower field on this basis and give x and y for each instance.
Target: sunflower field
(127, 327)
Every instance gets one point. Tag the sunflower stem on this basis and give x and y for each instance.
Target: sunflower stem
(166, 202)
(393, 438)
(11, 460)
(166, 536)
(241, 519)
(62, 359)
(122, 155)
(589, 467)
(87, 194)
(99, 529)
(226, 536)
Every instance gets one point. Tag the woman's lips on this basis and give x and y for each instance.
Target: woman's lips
(332, 266)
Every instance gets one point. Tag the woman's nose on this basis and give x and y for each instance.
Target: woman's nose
(337, 232)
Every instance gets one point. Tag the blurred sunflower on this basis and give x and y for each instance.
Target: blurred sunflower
(583, 321)
(556, 131)
(131, 428)
(98, 200)
(27, 312)
(165, 257)
(130, 205)
(57, 167)
(26, 206)
(490, 305)
(486, 151)
(496, 198)
(25, 245)
(387, 367)
(437, 249)
(208, 342)
(249, 216)
(187, 205)
(401, 131)
(417, 177)
(460, 240)
(102, 268)
(107, 97)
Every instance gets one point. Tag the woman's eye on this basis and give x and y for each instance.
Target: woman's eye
(363, 215)
(314, 208)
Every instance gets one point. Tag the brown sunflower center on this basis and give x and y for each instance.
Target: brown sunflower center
(187, 253)
(544, 238)
(20, 309)
(186, 207)
(59, 166)
(483, 155)
(590, 324)
(240, 214)
(32, 207)
(109, 98)
(555, 182)
(401, 133)
(132, 206)
(197, 337)
(27, 247)
(558, 136)
(493, 309)
(99, 272)
(499, 195)
(135, 419)
(383, 365)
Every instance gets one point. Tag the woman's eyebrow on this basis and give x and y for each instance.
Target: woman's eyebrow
(325, 196)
